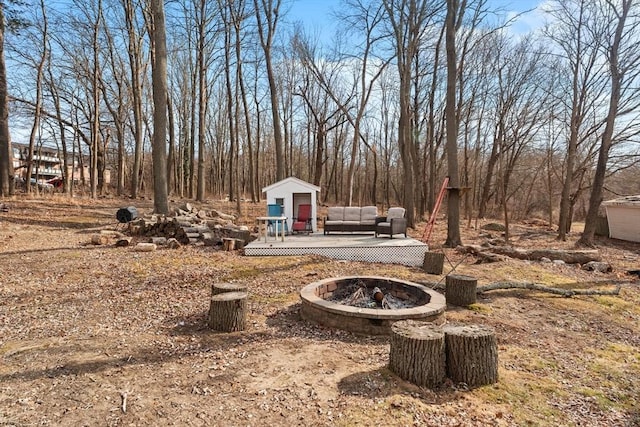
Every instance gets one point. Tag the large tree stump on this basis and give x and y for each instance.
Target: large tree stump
(417, 352)
(472, 354)
(228, 311)
(433, 262)
(461, 290)
(221, 288)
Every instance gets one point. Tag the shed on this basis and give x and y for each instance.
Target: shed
(623, 216)
(292, 192)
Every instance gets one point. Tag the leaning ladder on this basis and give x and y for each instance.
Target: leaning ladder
(432, 219)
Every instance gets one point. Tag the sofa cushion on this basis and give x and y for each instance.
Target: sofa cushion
(329, 222)
(352, 213)
(395, 213)
(335, 213)
(368, 214)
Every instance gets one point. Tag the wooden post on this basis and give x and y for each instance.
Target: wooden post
(228, 311)
(433, 262)
(461, 290)
(221, 288)
(472, 354)
(417, 352)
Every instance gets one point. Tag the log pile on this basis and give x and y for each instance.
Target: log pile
(192, 226)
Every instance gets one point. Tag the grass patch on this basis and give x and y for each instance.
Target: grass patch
(480, 308)
(530, 273)
(527, 396)
(615, 371)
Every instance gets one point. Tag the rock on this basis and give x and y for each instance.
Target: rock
(173, 243)
(494, 226)
(559, 262)
(545, 260)
(602, 267)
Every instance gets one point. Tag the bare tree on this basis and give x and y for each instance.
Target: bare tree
(160, 92)
(6, 153)
(455, 10)
(267, 16)
(623, 60)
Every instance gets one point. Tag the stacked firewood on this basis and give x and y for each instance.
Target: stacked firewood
(192, 226)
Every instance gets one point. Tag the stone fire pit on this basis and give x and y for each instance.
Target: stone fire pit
(424, 304)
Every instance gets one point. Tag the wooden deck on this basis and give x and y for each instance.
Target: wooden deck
(344, 246)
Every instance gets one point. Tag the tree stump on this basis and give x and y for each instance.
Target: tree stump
(417, 352)
(230, 244)
(433, 262)
(461, 290)
(472, 354)
(228, 311)
(221, 288)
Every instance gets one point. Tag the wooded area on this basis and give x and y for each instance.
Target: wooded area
(404, 93)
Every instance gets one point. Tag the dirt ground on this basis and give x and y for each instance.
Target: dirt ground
(105, 336)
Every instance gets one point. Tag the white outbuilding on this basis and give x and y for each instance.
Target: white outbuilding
(623, 216)
(290, 193)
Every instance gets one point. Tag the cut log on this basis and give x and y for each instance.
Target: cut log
(417, 352)
(228, 244)
(228, 311)
(173, 243)
(145, 247)
(159, 240)
(433, 262)
(472, 354)
(461, 290)
(232, 244)
(221, 288)
(223, 216)
(100, 239)
(123, 242)
(236, 233)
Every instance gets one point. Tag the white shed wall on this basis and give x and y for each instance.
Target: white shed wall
(624, 222)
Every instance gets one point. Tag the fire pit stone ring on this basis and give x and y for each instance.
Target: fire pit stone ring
(428, 305)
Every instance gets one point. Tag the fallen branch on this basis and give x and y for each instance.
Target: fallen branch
(548, 289)
(568, 256)
(500, 253)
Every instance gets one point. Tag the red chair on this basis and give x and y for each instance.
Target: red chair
(302, 223)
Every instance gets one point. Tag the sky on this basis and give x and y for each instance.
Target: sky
(316, 14)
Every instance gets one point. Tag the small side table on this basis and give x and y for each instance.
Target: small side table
(265, 220)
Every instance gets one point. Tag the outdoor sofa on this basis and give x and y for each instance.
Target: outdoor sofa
(350, 219)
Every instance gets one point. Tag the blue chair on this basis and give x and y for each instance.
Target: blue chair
(273, 226)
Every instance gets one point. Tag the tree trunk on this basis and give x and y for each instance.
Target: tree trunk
(433, 262)
(453, 212)
(159, 75)
(228, 311)
(461, 290)
(417, 352)
(6, 153)
(617, 76)
(472, 354)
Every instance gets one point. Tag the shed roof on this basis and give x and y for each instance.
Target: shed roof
(633, 201)
(292, 181)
